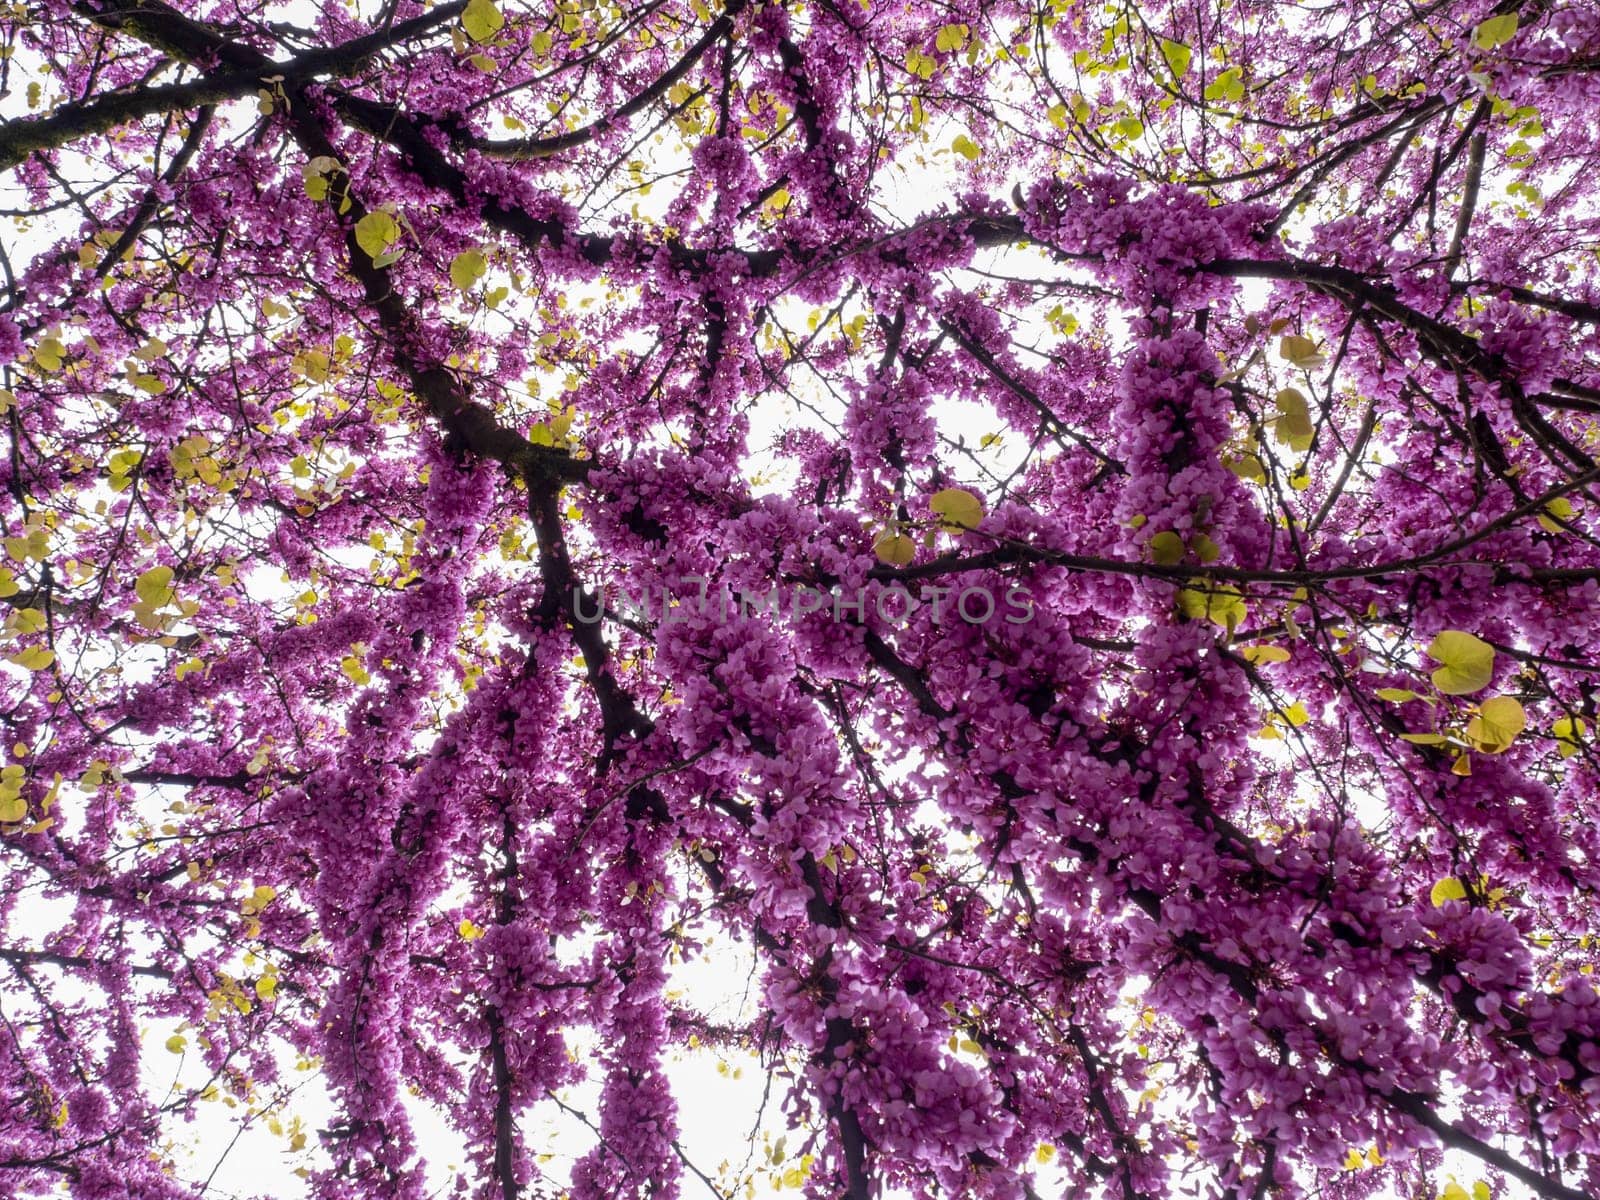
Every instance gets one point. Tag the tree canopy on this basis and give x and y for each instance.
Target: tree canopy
(1062, 537)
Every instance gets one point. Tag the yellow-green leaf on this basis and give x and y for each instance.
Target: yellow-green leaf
(1568, 731)
(1218, 603)
(1167, 548)
(34, 658)
(1467, 662)
(956, 508)
(1499, 721)
(1227, 86)
(1293, 426)
(27, 620)
(313, 364)
(966, 147)
(1301, 352)
(467, 268)
(1558, 510)
(375, 232)
(1177, 56)
(1448, 888)
(315, 173)
(1495, 32)
(49, 354)
(482, 20)
(1247, 466)
(1395, 695)
(1264, 654)
(895, 549)
(154, 587)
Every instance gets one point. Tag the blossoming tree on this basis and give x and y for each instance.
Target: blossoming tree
(1066, 534)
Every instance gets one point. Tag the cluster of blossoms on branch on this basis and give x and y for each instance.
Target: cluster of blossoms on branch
(1057, 545)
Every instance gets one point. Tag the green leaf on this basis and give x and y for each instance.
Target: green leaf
(1497, 724)
(467, 268)
(1558, 510)
(482, 20)
(1167, 548)
(1247, 466)
(951, 38)
(1423, 739)
(375, 232)
(1467, 662)
(154, 587)
(1568, 731)
(1177, 56)
(1264, 654)
(1448, 888)
(1395, 695)
(1228, 86)
(895, 549)
(313, 364)
(49, 354)
(967, 148)
(1218, 603)
(1495, 32)
(1293, 426)
(34, 658)
(316, 172)
(957, 509)
(1302, 352)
